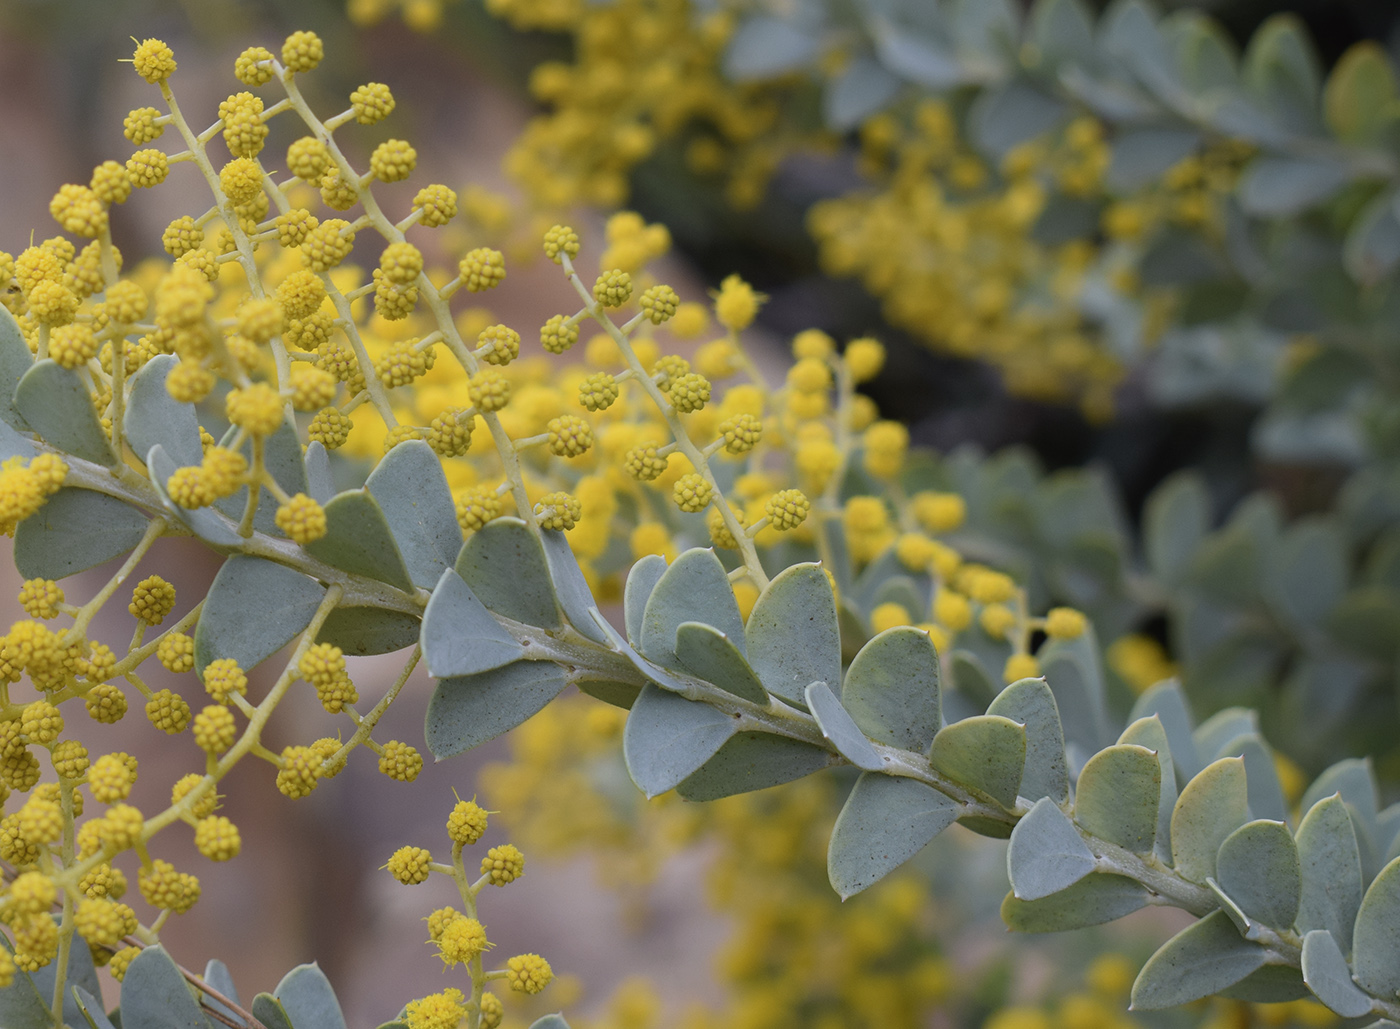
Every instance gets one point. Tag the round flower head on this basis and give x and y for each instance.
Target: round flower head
(467, 822)
(692, 493)
(482, 269)
(154, 61)
(569, 436)
(302, 51)
(558, 511)
(372, 102)
(528, 973)
(147, 168)
(503, 864)
(217, 838)
(437, 204)
(400, 761)
(561, 239)
(302, 519)
(410, 865)
(558, 334)
(462, 939)
(393, 160)
(613, 288)
(253, 66)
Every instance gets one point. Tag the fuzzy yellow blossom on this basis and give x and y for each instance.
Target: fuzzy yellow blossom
(736, 304)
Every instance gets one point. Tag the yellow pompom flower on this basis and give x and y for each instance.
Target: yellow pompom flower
(558, 510)
(153, 61)
(302, 518)
(864, 358)
(372, 102)
(302, 51)
(467, 822)
(410, 865)
(1064, 623)
(256, 408)
(736, 303)
(939, 512)
(461, 940)
(393, 161)
(482, 269)
(1020, 666)
(997, 620)
(503, 864)
(217, 838)
(612, 288)
(400, 761)
(528, 973)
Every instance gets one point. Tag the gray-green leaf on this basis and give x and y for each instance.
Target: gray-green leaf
(668, 738)
(1331, 864)
(1047, 854)
(1031, 702)
(641, 580)
(1198, 961)
(411, 490)
(75, 530)
(15, 360)
(460, 637)
(55, 403)
(308, 998)
(504, 565)
(1118, 795)
(1258, 867)
(754, 761)
(1097, 898)
(886, 821)
(154, 416)
(892, 689)
(467, 711)
(986, 752)
(694, 589)
(1327, 975)
(358, 540)
(793, 636)
(1148, 732)
(706, 652)
(362, 630)
(154, 994)
(1168, 703)
(1212, 806)
(253, 609)
(840, 728)
(571, 590)
(1376, 941)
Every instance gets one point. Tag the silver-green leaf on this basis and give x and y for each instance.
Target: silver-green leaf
(706, 652)
(1331, 866)
(55, 403)
(460, 637)
(1212, 806)
(1118, 796)
(793, 635)
(75, 530)
(153, 416)
(1258, 867)
(1202, 959)
(1327, 975)
(412, 491)
(253, 609)
(1046, 854)
(358, 540)
(886, 821)
(840, 728)
(1032, 703)
(986, 752)
(1375, 941)
(668, 738)
(892, 689)
(1148, 732)
(641, 580)
(309, 999)
(694, 589)
(467, 711)
(754, 761)
(154, 994)
(1097, 898)
(504, 565)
